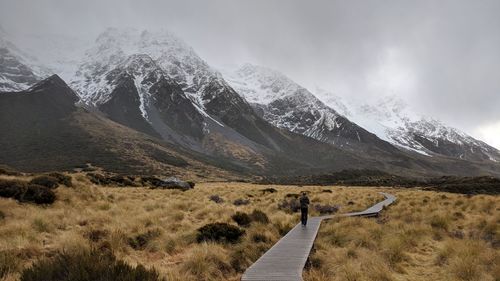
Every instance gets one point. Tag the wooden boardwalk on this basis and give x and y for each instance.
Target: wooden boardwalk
(287, 258)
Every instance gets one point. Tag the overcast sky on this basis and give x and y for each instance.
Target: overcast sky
(442, 57)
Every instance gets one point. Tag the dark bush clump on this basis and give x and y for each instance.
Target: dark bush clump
(259, 238)
(26, 192)
(98, 179)
(268, 190)
(242, 219)
(291, 205)
(191, 184)
(90, 265)
(9, 189)
(326, 209)
(240, 202)
(216, 198)
(118, 180)
(47, 181)
(2, 215)
(152, 181)
(36, 194)
(259, 216)
(140, 241)
(326, 191)
(62, 179)
(291, 195)
(219, 232)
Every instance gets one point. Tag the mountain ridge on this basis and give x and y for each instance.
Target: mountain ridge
(155, 87)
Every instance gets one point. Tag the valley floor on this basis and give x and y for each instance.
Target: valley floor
(424, 236)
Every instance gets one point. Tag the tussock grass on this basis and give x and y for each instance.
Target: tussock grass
(158, 229)
(424, 236)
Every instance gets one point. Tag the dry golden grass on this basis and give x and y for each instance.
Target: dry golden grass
(413, 240)
(425, 235)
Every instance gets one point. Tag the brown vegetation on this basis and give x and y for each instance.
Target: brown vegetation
(440, 235)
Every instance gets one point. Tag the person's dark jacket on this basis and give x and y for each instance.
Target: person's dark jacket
(304, 202)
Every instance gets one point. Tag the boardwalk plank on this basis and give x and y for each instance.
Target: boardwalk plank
(287, 258)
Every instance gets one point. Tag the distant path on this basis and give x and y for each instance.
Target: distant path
(287, 258)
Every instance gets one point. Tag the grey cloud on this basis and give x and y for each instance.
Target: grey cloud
(450, 48)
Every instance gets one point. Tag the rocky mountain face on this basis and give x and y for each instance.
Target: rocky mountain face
(392, 120)
(15, 73)
(158, 85)
(55, 134)
(146, 101)
(386, 125)
(287, 105)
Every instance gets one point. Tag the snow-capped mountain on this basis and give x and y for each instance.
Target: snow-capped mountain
(18, 70)
(173, 57)
(287, 105)
(391, 119)
(157, 84)
(135, 76)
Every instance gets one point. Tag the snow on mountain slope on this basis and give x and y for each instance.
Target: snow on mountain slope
(391, 119)
(59, 54)
(288, 105)
(189, 100)
(18, 70)
(175, 58)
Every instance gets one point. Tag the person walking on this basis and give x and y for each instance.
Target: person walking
(304, 206)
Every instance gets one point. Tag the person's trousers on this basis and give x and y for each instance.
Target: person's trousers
(303, 216)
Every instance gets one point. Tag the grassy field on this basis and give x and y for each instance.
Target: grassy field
(424, 236)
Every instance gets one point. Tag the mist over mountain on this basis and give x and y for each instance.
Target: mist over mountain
(253, 119)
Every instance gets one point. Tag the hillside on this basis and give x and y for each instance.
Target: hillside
(42, 130)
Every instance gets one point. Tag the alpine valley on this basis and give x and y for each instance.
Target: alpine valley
(146, 102)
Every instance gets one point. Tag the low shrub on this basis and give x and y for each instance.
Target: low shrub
(88, 265)
(36, 194)
(259, 238)
(326, 209)
(9, 189)
(216, 198)
(47, 181)
(152, 181)
(291, 205)
(62, 179)
(242, 219)
(259, 216)
(140, 241)
(98, 179)
(219, 232)
(191, 184)
(268, 190)
(240, 202)
(2, 215)
(26, 192)
(291, 195)
(118, 180)
(326, 191)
